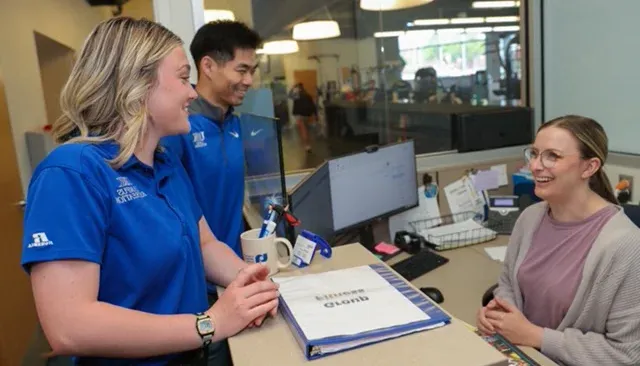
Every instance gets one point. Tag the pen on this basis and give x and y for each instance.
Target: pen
(268, 224)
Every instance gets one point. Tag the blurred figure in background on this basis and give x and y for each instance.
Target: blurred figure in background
(304, 112)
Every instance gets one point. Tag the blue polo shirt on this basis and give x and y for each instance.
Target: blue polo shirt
(139, 223)
(213, 156)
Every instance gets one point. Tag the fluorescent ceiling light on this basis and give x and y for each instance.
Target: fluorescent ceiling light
(478, 30)
(211, 15)
(424, 22)
(495, 4)
(279, 47)
(320, 29)
(508, 19)
(382, 5)
(508, 28)
(388, 34)
(467, 20)
(450, 30)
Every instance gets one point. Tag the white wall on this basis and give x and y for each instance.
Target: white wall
(67, 22)
(351, 52)
(591, 65)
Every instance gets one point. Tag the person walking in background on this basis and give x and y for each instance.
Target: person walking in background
(304, 112)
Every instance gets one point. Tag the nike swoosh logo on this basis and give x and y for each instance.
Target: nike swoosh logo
(254, 133)
(234, 134)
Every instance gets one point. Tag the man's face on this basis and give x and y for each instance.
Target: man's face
(231, 80)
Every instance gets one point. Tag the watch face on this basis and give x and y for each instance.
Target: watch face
(205, 326)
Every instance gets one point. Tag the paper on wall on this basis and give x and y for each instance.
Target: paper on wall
(427, 209)
(503, 180)
(463, 197)
(485, 180)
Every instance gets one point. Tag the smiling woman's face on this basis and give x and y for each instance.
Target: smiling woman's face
(557, 164)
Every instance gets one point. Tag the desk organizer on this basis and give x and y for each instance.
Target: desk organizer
(453, 231)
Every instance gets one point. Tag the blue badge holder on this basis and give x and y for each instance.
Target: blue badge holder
(306, 246)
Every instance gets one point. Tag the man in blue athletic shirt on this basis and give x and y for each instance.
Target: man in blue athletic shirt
(213, 153)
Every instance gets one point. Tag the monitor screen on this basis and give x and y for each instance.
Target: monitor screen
(311, 201)
(373, 184)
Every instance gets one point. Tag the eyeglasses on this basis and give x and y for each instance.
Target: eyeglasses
(548, 158)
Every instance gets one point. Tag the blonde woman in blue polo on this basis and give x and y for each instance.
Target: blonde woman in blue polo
(115, 242)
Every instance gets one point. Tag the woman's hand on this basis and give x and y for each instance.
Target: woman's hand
(482, 322)
(510, 323)
(249, 297)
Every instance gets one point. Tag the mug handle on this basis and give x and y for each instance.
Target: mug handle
(287, 244)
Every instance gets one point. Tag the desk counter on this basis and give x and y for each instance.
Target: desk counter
(274, 344)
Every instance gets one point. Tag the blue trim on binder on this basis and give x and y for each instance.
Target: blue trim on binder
(435, 314)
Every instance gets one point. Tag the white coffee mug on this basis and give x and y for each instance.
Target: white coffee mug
(264, 250)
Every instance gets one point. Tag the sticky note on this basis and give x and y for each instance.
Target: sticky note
(385, 248)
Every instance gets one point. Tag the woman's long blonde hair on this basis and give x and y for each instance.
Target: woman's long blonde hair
(106, 95)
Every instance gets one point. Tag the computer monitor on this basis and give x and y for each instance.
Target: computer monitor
(310, 202)
(373, 184)
(352, 191)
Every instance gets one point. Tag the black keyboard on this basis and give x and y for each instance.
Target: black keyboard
(419, 264)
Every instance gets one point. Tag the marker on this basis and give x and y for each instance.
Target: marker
(268, 224)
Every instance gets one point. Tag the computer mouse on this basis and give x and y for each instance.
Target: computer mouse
(433, 293)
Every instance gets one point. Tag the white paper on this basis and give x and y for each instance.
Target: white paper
(461, 233)
(503, 179)
(497, 253)
(346, 302)
(485, 180)
(303, 250)
(427, 209)
(463, 197)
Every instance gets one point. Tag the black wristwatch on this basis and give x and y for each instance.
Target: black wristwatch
(205, 328)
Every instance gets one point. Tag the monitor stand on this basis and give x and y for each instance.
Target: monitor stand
(366, 237)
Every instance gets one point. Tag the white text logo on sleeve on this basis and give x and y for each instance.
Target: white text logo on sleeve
(40, 240)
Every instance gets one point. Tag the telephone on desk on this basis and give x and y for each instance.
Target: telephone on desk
(503, 213)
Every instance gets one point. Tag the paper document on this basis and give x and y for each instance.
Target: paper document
(463, 197)
(497, 253)
(428, 209)
(462, 233)
(503, 180)
(346, 302)
(485, 180)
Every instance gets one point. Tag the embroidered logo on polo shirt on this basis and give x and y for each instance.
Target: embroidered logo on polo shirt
(127, 191)
(255, 133)
(234, 134)
(39, 240)
(198, 139)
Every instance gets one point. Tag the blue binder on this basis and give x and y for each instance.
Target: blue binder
(313, 348)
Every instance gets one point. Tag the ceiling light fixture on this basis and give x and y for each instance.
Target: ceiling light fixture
(384, 5)
(507, 19)
(388, 34)
(467, 20)
(424, 22)
(282, 47)
(211, 15)
(494, 4)
(319, 29)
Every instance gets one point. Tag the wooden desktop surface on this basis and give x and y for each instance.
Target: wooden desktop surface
(274, 344)
(462, 281)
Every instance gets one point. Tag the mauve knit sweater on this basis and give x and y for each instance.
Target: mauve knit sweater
(602, 325)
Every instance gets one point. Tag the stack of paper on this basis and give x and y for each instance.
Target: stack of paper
(343, 309)
(497, 253)
(459, 234)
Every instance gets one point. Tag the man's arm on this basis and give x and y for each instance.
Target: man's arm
(221, 264)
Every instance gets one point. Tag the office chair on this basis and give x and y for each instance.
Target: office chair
(632, 212)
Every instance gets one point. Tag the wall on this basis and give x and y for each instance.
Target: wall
(351, 52)
(138, 9)
(56, 61)
(591, 65)
(65, 21)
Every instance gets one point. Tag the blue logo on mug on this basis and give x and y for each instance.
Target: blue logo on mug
(260, 258)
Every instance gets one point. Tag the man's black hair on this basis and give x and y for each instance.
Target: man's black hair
(220, 39)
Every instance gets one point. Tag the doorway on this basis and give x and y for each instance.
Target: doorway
(56, 61)
(17, 311)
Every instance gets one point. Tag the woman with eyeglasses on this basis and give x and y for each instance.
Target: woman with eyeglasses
(570, 285)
